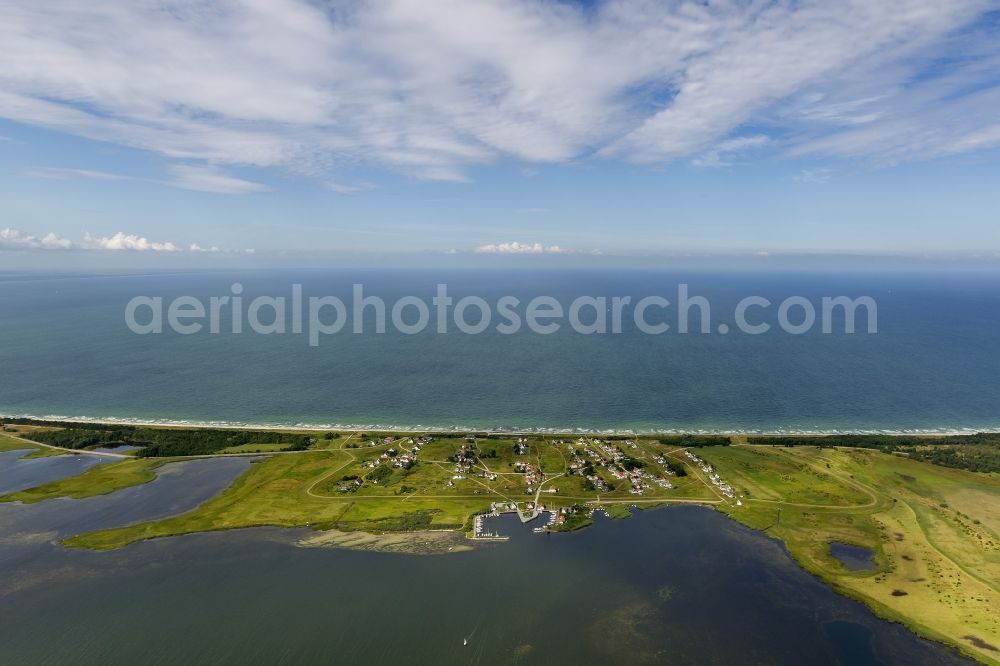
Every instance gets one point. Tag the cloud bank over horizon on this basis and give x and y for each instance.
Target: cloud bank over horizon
(433, 90)
(12, 238)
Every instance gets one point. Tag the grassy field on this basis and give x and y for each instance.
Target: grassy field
(254, 448)
(279, 491)
(356, 487)
(98, 480)
(933, 531)
(8, 443)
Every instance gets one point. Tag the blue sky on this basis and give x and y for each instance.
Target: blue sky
(467, 131)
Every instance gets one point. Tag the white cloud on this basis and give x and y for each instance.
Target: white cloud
(515, 247)
(53, 242)
(15, 239)
(721, 154)
(210, 179)
(56, 173)
(769, 52)
(820, 175)
(122, 241)
(185, 177)
(11, 238)
(431, 89)
(348, 188)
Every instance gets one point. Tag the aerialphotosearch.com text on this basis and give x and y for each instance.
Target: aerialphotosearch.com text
(318, 316)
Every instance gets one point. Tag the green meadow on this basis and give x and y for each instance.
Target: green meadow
(8, 443)
(933, 531)
(98, 480)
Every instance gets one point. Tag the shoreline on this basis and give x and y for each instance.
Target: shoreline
(943, 431)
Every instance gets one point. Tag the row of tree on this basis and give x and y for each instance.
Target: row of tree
(159, 442)
(978, 452)
(694, 441)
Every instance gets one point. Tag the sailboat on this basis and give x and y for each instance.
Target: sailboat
(465, 641)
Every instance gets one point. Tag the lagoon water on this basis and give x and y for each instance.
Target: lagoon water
(30, 472)
(683, 585)
(65, 350)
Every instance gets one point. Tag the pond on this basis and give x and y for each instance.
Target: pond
(854, 558)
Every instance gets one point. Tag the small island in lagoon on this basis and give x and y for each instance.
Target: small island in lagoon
(918, 516)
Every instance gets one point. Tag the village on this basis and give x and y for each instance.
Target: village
(562, 481)
(620, 465)
(592, 459)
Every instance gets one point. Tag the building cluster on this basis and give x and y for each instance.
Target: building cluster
(532, 474)
(713, 476)
(466, 454)
(640, 479)
(400, 458)
(613, 458)
(354, 484)
(571, 510)
(381, 441)
(663, 482)
(464, 459)
(661, 460)
(404, 459)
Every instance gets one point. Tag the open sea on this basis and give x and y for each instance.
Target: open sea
(65, 351)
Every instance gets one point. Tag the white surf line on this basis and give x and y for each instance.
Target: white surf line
(540, 432)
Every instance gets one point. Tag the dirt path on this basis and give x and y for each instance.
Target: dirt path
(350, 459)
(854, 483)
(102, 454)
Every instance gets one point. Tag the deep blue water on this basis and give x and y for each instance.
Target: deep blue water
(934, 363)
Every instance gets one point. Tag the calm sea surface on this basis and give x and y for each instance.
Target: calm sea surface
(683, 586)
(934, 363)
